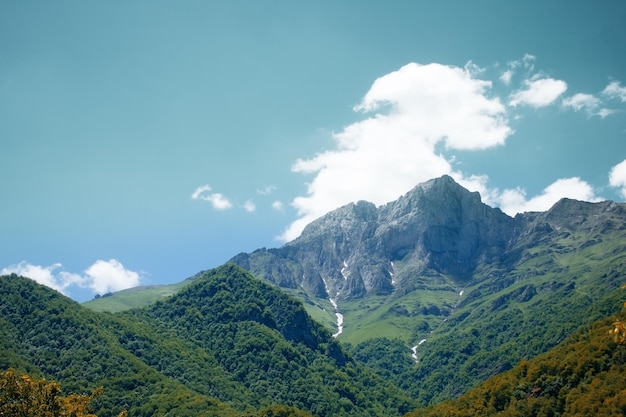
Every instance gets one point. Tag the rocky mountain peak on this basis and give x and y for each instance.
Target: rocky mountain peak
(445, 224)
(348, 220)
(438, 226)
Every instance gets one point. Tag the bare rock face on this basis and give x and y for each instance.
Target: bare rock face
(438, 228)
(446, 225)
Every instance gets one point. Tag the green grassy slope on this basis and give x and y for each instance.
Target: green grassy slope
(135, 297)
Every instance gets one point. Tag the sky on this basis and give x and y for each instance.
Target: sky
(144, 141)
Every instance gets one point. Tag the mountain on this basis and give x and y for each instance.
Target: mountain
(447, 291)
(438, 228)
(225, 345)
(436, 291)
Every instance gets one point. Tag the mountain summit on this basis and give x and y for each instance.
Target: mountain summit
(436, 228)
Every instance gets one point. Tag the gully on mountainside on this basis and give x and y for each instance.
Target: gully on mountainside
(414, 348)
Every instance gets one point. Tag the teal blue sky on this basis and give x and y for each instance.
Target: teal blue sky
(144, 141)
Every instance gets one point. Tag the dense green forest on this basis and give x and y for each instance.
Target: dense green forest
(583, 376)
(227, 344)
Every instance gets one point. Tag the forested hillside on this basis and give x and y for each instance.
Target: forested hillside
(584, 376)
(226, 344)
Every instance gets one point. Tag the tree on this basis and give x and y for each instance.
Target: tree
(22, 396)
(619, 328)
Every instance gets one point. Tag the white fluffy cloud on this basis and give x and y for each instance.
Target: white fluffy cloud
(101, 277)
(217, 200)
(538, 92)
(617, 177)
(515, 201)
(107, 276)
(44, 275)
(411, 111)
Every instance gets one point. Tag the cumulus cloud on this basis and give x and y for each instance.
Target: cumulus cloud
(617, 177)
(615, 90)
(513, 201)
(44, 275)
(538, 92)
(411, 112)
(277, 205)
(101, 277)
(217, 200)
(107, 276)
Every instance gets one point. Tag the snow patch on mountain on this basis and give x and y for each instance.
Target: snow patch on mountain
(333, 302)
(414, 350)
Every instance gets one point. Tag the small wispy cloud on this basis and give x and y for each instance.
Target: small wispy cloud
(267, 190)
(217, 200)
(582, 101)
(587, 103)
(527, 62)
(101, 277)
(278, 205)
(615, 91)
(538, 92)
(506, 76)
(249, 206)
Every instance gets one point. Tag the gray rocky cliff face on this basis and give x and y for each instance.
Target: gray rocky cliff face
(437, 229)
(445, 224)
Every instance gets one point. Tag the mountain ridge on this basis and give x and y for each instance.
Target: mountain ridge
(448, 291)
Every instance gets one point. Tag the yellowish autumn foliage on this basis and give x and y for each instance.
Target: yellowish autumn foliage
(22, 396)
(619, 328)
